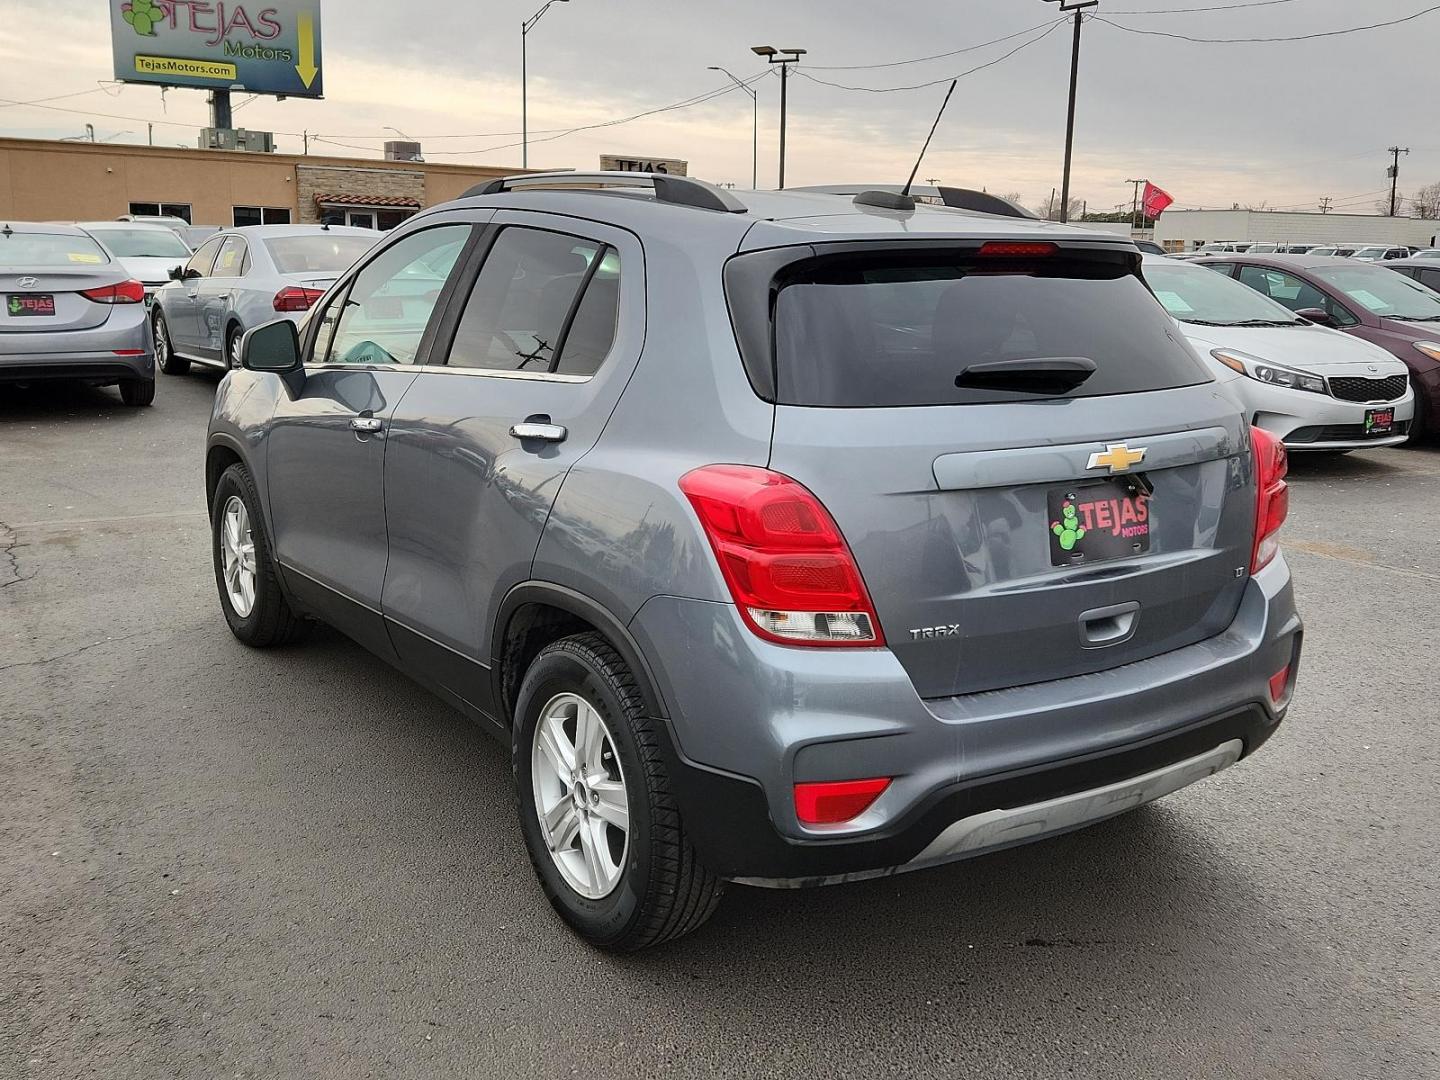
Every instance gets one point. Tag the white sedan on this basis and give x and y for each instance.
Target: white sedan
(1317, 389)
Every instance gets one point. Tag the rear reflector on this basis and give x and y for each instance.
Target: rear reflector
(1272, 496)
(1280, 685)
(835, 801)
(294, 298)
(128, 352)
(1016, 249)
(788, 567)
(127, 292)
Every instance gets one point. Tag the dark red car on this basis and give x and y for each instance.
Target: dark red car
(1368, 300)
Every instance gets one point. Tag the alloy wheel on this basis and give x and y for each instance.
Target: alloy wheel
(580, 795)
(232, 354)
(162, 340)
(237, 555)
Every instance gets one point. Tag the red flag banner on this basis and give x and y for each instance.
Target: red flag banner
(1156, 200)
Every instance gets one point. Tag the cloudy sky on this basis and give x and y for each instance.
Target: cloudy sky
(1284, 123)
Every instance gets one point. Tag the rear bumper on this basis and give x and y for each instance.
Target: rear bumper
(29, 367)
(971, 774)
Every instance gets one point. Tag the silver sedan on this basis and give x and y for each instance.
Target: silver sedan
(242, 278)
(70, 311)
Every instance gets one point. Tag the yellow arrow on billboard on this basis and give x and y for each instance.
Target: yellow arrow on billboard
(305, 29)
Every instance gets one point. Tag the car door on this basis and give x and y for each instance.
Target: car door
(180, 302)
(327, 440)
(537, 351)
(215, 297)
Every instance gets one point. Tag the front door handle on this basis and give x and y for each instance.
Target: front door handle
(367, 425)
(529, 429)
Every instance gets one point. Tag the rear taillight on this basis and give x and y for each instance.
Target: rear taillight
(294, 298)
(835, 801)
(784, 558)
(1272, 500)
(127, 292)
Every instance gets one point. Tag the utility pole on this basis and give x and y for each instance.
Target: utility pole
(1050, 214)
(1079, 10)
(305, 135)
(150, 134)
(783, 57)
(1135, 204)
(525, 28)
(754, 126)
(1325, 204)
(1395, 152)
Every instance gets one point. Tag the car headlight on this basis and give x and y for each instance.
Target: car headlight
(1267, 372)
(1429, 348)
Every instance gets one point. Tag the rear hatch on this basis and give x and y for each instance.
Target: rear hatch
(964, 416)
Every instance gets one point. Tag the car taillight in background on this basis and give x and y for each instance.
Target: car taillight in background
(1272, 500)
(786, 563)
(127, 292)
(294, 298)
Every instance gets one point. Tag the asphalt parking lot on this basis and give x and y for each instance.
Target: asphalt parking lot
(217, 862)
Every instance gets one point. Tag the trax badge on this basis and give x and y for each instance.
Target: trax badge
(1117, 458)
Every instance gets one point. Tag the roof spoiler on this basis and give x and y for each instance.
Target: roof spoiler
(894, 197)
(676, 190)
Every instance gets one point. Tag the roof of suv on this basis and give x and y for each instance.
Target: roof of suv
(776, 218)
(1287, 262)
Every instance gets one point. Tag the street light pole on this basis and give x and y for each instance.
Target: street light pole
(754, 126)
(525, 28)
(783, 57)
(1079, 10)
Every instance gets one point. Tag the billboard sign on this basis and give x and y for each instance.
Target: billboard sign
(631, 163)
(264, 47)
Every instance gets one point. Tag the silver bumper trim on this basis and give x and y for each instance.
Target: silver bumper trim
(995, 829)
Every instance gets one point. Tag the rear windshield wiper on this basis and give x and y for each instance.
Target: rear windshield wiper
(1037, 375)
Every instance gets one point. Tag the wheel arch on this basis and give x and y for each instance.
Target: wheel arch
(536, 613)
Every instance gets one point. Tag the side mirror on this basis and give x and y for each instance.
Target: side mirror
(1317, 315)
(190, 274)
(177, 273)
(274, 347)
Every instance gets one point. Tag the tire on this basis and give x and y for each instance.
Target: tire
(1419, 428)
(165, 358)
(663, 891)
(268, 618)
(137, 392)
(232, 349)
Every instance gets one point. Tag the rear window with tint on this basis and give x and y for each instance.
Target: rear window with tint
(893, 331)
(34, 251)
(318, 253)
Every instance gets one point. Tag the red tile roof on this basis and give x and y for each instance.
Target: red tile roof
(367, 200)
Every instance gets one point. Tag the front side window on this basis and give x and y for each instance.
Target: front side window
(544, 302)
(387, 307)
(204, 259)
(1291, 292)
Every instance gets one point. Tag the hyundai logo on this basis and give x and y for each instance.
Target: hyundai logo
(27, 282)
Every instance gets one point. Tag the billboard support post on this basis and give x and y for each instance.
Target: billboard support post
(220, 108)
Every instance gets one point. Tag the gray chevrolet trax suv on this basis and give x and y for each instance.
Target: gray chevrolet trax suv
(784, 541)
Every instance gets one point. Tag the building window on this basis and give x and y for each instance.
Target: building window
(261, 215)
(162, 209)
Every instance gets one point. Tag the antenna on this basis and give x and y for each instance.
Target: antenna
(906, 190)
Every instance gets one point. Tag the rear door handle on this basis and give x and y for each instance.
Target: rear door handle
(529, 429)
(368, 425)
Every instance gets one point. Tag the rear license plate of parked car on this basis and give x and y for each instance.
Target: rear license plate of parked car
(1095, 521)
(22, 304)
(1379, 421)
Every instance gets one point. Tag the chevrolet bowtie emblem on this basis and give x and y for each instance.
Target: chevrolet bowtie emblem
(1117, 458)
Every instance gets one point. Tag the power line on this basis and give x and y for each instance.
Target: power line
(1051, 28)
(1266, 40)
(936, 56)
(1192, 11)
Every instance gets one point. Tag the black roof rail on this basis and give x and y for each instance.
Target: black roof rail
(677, 190)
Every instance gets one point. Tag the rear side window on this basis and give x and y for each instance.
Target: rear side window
(544, 302)
(25, 250)
(896, 331)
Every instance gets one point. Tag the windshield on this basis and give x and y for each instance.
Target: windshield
(1369, 253)
(1199, 295)
(316, 253)
(143, 243)
(36, 250)
(1383, 292)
